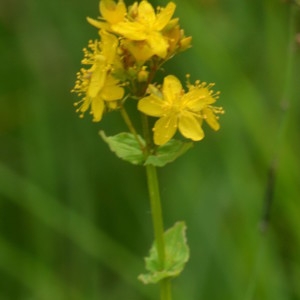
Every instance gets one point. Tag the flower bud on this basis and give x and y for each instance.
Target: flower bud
(185, 43)
(142, 75)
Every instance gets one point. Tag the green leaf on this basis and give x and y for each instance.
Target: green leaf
(176, 256)
(168, 153)
(125, 146)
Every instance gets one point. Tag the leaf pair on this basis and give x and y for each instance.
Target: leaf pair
(126, 146)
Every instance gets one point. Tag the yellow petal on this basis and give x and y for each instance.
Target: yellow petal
(97, 24)
(130, 30)
(194, 100)
(97, 77)
(152, 106)
(190, 127)
(146, 14)
(165, 16)
(97, 109)
(197, 99)
(85, 104)
(109, 44)
(139, 49)
(205, 95)
(171, 89)
(164, 129)
(211, 119)
(158, 44)
(112, 12)
(111, 91)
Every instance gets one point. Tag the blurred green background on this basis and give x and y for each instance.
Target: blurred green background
(75, 220)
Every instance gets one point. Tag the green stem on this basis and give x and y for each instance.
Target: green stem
(147, 135)
(156, 212)
(130, 126)
(165, 289)
(157, 219)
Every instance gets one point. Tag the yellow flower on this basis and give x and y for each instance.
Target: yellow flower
(179, 110)
(147, 26)
(105, 99)
(97, 84)
(101, 56)
(111, 12)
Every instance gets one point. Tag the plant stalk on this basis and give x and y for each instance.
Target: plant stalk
(130, 126)
(165, 289)
(157, 219)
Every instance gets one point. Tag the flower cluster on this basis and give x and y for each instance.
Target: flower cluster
(133, 44)
(143, 32)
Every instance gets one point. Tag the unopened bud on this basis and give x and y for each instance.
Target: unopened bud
(185, 43)
(142, 75)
